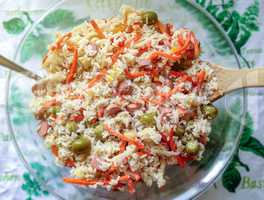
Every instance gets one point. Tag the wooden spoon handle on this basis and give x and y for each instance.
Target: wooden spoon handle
(245, 78)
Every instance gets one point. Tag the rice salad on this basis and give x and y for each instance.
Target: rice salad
(124, 97)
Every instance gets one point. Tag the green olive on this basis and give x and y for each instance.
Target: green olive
(179, 131)
(192, 147)
(54, 110)
(71, 126)
(81, 145)
(98, 131)
(150, 18)
(148, 119)
(209, 111)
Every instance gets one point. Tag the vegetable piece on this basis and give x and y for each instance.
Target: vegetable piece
(122, 146)
(209, 111)
(73, 68)
(171, 140)
(81, 145)
(179, 131)
(97, 29)
(133, 75)
(149, 17)
(54, 149)
(69, 163)
(80, 181)
(192, 147)
(113, 110)
(138, 144)
(60, 41)
(148, 119)
(54, 110)
(43, 129)
(131, 186)
(98, 131)
(200, 78)
(71, 126)
(97, 78)
(170, 57)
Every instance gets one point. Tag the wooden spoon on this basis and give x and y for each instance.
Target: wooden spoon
(5, 62)
(229, 80)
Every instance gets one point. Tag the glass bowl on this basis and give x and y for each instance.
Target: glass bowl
(183, 183)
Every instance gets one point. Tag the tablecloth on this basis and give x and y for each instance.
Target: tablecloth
(243, 179)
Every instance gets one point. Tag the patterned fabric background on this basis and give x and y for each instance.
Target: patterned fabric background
(242, 20)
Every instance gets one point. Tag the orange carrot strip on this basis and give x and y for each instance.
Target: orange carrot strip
(124, 178)
(155, 54)
(131, 186)
(97, 78)
(133, 75)
(62, 39)
(73, 68)
(138, 144)
(116, 55)
(54, 150)
(122, 146)
(80, 181)
(200, 78)
(97, 29)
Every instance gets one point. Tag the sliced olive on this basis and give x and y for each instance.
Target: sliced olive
(81, 145)
(150, 18)
(71, 126)
(209, 111)
(192, 147)
(98, 131)
(179, 131)
(148, 119)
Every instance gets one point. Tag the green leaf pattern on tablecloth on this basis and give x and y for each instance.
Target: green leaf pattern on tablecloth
(14, 26)
(36, 43)
(31, 186)
(239, 27)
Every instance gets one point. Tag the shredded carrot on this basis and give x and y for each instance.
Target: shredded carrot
(116, 55)
(80, 181)
(54, 150)
(130, 186)
(138, 144)
(200, 78)
(122, 146)
(124, 178)
(97, 78)
(171, 141)
(183, 43)
(73, 68)
(155, 54)
(97, 29)
(60, 41)
(133, 75)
